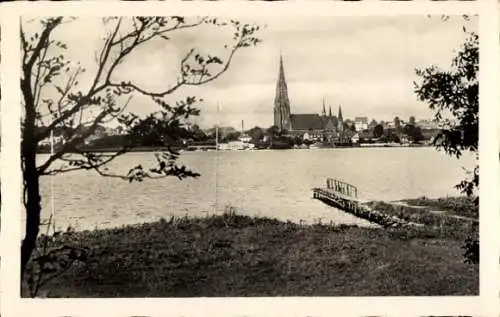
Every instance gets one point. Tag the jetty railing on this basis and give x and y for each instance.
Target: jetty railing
(342, 187)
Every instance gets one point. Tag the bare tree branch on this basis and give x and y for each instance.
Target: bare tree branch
(71, 145)
(93, 90)
(159, 128)
(37, 86)
(51, 25)
(79, 164)
(27, 67)
(183, 81)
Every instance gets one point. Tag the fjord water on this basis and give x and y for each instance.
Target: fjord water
(271, 183)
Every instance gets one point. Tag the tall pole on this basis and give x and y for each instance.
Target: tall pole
(52, 209)
(216, 159)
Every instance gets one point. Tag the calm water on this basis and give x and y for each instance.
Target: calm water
(266, 183)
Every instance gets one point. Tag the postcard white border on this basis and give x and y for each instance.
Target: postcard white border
(11, 65)
(484, 305)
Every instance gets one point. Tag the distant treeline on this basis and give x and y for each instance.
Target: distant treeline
(262, 138)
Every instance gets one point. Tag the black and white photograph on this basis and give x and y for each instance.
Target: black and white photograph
(210, 156)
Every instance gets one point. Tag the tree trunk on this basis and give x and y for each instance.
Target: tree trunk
(29, 147)
(32, 204)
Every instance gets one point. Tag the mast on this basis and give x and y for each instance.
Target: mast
(217, 129)
(52, 203)
(216, 159)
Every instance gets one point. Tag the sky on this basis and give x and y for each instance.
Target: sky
(365, 64)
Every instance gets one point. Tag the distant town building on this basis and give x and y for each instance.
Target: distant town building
(355, 138)
(309, 125)
(361, 123)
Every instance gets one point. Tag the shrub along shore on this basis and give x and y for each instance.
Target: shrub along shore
(236, 255)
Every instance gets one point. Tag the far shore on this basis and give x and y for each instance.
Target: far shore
(201, 148)
(237, 255)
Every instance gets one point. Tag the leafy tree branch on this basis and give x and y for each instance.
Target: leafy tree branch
(453, 97)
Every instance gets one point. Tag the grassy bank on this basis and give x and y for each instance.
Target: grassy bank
(446, 223)
(233, 255)
(459, 206)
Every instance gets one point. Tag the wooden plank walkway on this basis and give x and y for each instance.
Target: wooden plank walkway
(344, 196)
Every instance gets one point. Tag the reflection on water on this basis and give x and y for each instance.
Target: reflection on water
(266, 183)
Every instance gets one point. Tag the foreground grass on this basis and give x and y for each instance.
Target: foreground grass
(232, 255)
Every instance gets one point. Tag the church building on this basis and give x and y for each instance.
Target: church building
(309, 125)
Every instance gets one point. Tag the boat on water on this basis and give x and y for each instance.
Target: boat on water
(392, 144)
(317, 145)
(242, 143)
(372, 145)
(322, 145)
(300, 147)
(235, 146)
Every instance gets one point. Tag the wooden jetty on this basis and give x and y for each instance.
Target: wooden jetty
(344, 196)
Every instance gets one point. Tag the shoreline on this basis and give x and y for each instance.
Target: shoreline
(207, 148)
(220, 255)
(377, 213)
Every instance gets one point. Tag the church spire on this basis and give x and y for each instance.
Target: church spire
(341, 120)
(324, 110)
(282, 71)
(330, 112)
(281, 101)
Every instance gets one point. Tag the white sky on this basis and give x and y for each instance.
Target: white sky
(366, 64)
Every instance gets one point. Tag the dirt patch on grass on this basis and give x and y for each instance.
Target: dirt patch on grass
(459, 206)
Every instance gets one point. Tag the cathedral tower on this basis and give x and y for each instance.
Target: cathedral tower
(341, 120)
(281, 102)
